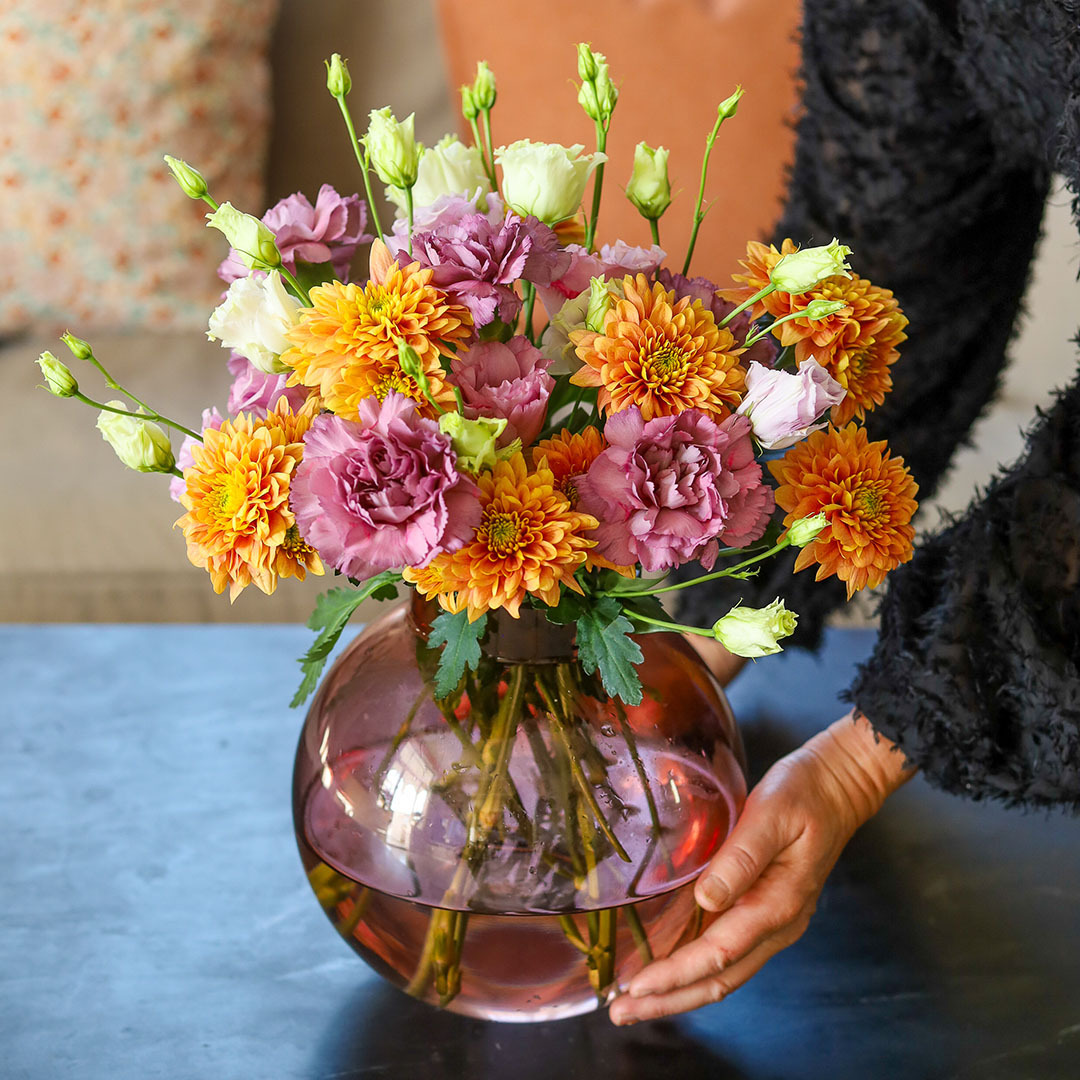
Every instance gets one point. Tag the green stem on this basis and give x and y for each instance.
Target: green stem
(569, 928)
(699, 215)
(773, 325)
(490, 151)
(530, 300)
(290, 278)
(729, 572)
(639, 767)
(759, 295)
(678, 628)
(654, 224)
(148, 415)
(598, 187)
(409, 214)
(577, 404)
(210, 201)
(399, 737)
(364, 163)
(637, 931)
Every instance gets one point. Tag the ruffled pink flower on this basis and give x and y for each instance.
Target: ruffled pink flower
(505, 382)
(444, 211)
(477, 263)
(328, 232)
(256, 391)
(211, 421)
(673, 489)
(699, 288)
(620, 259)
(572, 282)
(382, 493)
(782, 406)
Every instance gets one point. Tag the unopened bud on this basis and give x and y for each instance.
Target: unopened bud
(822, 309)
(468, 104)
(192, 182)
(806, 530)
(649, 188)
(58, 377)
(800, 271)
(483, 87)
(754, 632)
(600, 301)
(79, 349)
(729, 106)
(337, 76)
(392, 145)
(139, 444)
(253, 241)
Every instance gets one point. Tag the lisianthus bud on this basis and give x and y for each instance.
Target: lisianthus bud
(192, 182)
(586, 62)
(483, 87)
(139, 444)
(545, 179)
(649, 188)
(248, 237)
(338, 81)
(79, 349)
(753, 632)
(597, 94)
(58, 377)
(393, 148)
(806, 530)
(473, 440)
(411, 365)
(600, 301)
(730, 105)
(448, 168)
(800, 271)
(822, 309)
(468, 104)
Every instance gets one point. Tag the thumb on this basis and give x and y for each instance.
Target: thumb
(744, 855)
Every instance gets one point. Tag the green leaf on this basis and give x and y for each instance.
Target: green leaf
(311, 274)
(569, 609)
(460, 640)
(604, 643)
(332, 611)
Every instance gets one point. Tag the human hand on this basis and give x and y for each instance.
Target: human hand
(723, 664)
(765, 880)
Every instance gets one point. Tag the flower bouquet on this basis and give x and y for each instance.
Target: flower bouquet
(503, 795)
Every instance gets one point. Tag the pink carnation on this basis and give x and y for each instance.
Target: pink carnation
(505, 382)
(328, 232)
(673, 489)
(445, 210)
(573, 281)
(256, 391)
(211, 421)
(382, 493)
(620, 259)
(699, 288)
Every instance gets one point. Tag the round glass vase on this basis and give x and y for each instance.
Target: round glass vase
(519, 849)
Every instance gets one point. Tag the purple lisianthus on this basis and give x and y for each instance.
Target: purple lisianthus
(782, 406)
(699, 288)
(382, 493)
(211, 421)
(477, 262)
(328, 232)
(256, 391)
(445, 210)
(507, 382)
(673, 489)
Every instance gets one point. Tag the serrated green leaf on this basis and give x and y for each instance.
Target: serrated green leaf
(332, 612)
(604, 644)
(460, 640)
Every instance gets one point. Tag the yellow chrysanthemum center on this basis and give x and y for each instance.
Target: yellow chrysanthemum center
(503, 533)
(227, 497)
(664, 361)
(397, 382)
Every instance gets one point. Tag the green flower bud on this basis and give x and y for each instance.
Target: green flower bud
(649, 188)
(800, 271)
(586, 62)
(139, 444)
(600, 301)
(58, 377)
(337, 76)
(191, 181)
(806, 530)
(822, 309)
(393, 148)
(409, 361)
(483, 87)
(730, 106)
(597, 94)
(473, 440)
(753, 632)
(79, 349)
(468, 104)
(248, 237)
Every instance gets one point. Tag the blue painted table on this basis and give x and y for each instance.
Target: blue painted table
(155, 922)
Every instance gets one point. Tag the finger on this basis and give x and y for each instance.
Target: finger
(742, 858)
(762, 912)
(627, 1010)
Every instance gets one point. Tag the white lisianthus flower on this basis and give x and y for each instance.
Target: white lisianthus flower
(139, 444)
(448, 168)
(545, 179)
(253, 318)
(754, 632)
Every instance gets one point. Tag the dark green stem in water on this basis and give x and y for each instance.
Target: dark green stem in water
(637, 931)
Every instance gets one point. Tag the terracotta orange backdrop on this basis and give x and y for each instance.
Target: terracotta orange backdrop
(674, 61)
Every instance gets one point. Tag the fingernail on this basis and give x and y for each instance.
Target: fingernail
(624, 1021)
(712, 893)
(644, 990)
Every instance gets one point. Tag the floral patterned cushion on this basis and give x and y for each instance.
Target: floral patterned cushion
(93, 230)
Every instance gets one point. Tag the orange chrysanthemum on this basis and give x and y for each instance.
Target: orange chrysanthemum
(867, 496)
(238, 524)
(346, 343)
(661, 354)
(530, 540)
(856, 344)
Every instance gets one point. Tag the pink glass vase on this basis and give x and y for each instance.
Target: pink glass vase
(519, 849)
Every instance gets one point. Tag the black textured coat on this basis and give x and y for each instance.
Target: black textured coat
(927, 142)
